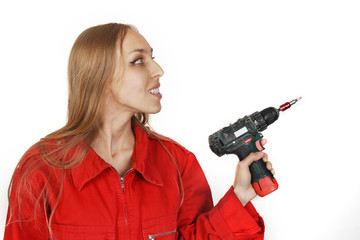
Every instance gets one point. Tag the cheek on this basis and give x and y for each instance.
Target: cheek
(130, 89)
(135, 80)
(131, 83)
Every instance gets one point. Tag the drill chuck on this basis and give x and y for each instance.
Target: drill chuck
(270, 115)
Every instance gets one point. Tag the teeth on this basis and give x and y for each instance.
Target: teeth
(154, 91)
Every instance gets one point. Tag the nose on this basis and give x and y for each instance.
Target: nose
(157, 70)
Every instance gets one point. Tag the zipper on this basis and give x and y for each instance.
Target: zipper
(122, 184)
(153, 236)
(123, 190)
(122, 179)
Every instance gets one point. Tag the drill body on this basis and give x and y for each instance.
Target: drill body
(243, 137)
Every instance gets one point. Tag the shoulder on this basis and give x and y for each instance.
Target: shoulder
(145, 135)
(171, 142)
(168, 142)
(182, 155)
(33, 171)
(151, 142)
(29, 157)
(34, 159)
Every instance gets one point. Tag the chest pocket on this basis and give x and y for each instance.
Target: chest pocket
(67, 232)
(162, 228)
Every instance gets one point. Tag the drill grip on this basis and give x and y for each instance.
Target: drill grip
(262, 179)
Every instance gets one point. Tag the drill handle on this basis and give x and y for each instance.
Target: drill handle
(262, 179)
(242, 152)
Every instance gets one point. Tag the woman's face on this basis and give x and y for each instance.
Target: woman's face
(135, 86)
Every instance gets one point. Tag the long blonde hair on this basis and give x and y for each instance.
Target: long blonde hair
(90, 69)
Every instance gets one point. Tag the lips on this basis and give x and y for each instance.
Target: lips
(155, 89)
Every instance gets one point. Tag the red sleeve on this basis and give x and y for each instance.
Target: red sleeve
(26, 219)
(229, 219)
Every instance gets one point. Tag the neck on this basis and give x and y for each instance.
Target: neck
(115, 141)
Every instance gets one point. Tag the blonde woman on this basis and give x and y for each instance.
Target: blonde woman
(105, 175)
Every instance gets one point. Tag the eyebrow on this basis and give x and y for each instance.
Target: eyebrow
(141, 50)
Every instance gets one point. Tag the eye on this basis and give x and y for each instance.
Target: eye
(138, 61)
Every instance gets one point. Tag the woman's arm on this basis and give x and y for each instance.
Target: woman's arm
(229, 219)
(26, 217)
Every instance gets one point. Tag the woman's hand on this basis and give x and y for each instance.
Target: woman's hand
(242, 185)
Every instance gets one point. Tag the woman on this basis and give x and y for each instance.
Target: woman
(105, 175)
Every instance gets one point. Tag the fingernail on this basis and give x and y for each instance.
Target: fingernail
(260, 154)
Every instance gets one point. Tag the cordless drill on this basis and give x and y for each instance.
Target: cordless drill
(243, 137)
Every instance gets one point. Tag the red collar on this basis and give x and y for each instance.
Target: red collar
(144, 154)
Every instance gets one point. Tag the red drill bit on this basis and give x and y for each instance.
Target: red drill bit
(288, 104)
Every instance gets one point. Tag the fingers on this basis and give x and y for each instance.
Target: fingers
(257, 156)
(268, 164)
(269, 167)
(242, 183)
(265, 157)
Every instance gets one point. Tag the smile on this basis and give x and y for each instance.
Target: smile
(155, 91)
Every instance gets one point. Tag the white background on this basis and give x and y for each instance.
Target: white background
(222, 60)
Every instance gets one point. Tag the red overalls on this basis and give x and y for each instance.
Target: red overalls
(97, 204)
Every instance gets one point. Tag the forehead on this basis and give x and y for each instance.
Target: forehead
(134, 41)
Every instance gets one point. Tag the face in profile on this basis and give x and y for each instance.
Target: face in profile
(135, 85)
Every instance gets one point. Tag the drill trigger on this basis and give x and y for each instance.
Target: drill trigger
(259, 146)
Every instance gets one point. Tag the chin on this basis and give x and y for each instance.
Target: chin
(153, 110)
(157, 110)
